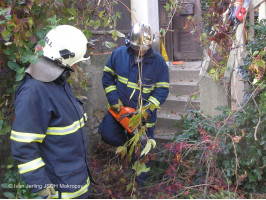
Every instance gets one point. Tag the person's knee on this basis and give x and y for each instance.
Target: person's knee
(111, 132)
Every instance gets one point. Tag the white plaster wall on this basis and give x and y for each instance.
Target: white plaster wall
(147, 12)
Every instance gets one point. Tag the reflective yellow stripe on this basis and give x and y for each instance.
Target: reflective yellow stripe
(110, 89)
(71, 195)
(122, 79)
(148, 90)
(149, 125)
(109, 70)
(154, 100)
(85, 116)
(67, 129)
(162, 84)
(30, 166)
(26, 137)
(132, 85)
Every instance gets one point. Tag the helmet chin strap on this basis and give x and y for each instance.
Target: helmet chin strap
(60, 64)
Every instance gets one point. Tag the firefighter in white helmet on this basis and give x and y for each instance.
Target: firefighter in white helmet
(48, 137)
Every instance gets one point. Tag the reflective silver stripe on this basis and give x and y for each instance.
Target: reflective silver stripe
(122, 79)
(110, 89)
(154, 100)
(26, 137)
(30, 166)
(67, 129)
(162, 84)
(71, 195)
(109, 70)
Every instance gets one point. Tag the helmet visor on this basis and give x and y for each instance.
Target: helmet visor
(141, 35)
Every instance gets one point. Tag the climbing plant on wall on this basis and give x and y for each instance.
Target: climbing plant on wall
(23, 25)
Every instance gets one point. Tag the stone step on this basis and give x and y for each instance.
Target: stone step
(186, 75)
(183, 82)
(167, 120)
(188, 71)
(165, 136)
(183, 88)
(187, 65)
(167, 125)
(179, 104)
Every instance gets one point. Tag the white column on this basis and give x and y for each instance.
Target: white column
(147, 11)
(262, 11)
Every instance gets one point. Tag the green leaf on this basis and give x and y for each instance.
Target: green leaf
(109, 44)
(140, 167)
(8, 17)
(121, 150)
(135, 120)
(152, 141)
(19, 77)
(101, 14)
(146, 149)
(13, 65)
(212, 71)
(118, 14)
(114, 34)
(132, 94)
(97, 24)
(167, 7)
(119, 34)
(129, 186)
(3, 11)
(5, 185)
(9, 195)
(28, 33)
(261, 63)
(30, 22)
(255, 53)
(1, 123)
(105, 21)
(6, 34)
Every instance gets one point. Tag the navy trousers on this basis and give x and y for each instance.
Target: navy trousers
(113, 133)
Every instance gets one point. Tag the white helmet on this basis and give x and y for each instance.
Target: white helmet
(66, 45)
(141, 36)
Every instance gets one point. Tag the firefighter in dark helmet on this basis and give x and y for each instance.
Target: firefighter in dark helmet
(121, 82)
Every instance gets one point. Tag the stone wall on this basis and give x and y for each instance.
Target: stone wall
(96, 103)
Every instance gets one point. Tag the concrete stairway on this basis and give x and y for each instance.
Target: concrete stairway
(183, 82)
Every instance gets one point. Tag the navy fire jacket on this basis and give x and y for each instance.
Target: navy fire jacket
(121, 79)
(49, 139)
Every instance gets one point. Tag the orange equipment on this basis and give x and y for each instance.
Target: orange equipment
(124, 116)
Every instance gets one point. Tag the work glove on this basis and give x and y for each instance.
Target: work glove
(144, 121)
(116, 107)
(47, 192)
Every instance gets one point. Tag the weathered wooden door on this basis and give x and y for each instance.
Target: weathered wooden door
(180, 43)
